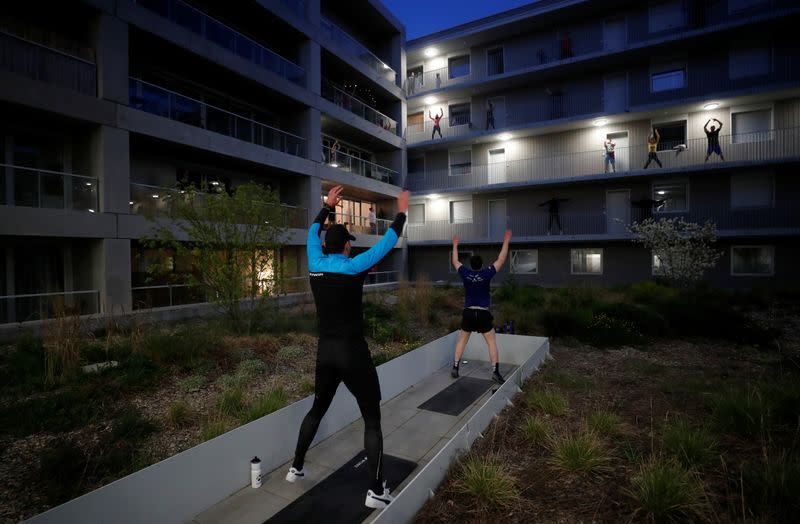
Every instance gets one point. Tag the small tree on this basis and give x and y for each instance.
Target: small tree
(231, 240)
(684, 249)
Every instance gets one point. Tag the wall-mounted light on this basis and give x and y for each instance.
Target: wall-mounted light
(131, 202)
(504, 136)
(384, 65)
(431, 52)
(600, 122)
(661, 192)
(334, 164)
(434, 196)
(429, 100)
(91, 211)
(711, 106)
(155, 195)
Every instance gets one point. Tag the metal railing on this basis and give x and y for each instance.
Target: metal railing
(220, 34)
(152, 200)
(48, 65)
(343, 38)
(341, 98)
(360, 225)
(169, 104)
(539, 223)
(382, 277)
(700, 17)
(762, 146)
(40, 306)
(425, 131)
(358, 166)
(49, 189)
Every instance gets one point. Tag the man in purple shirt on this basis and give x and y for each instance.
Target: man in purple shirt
(476, 315)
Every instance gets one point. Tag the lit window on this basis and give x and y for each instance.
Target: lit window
(525, 261)
(460, 162)
(587, 261)
(752, 260)
(751, 126)
(671, 134)
(459, 114)
(458, 66)
(461, 212)
(672, 197)
(668, 80)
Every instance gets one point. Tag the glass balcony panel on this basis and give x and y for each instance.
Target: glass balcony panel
(52, 190)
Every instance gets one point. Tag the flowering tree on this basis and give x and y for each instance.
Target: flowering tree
(683, 249)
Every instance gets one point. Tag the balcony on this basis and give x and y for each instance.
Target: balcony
(152, 201)
(45, 64)
(40, 306)
(359, 225)
(748, 148)
(341, 98)
(357, 49)
(536, 225)
(163, 102)
(218, 33)
(50, 189)
(358, 166)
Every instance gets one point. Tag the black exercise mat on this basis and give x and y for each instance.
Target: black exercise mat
(340, 497)
(458, 396)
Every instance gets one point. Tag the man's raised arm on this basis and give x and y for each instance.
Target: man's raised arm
(373, 255)
(501, 258)
(454, 254)
(313, 243)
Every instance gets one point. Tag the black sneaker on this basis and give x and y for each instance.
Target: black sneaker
(497, 377)
(454, 372)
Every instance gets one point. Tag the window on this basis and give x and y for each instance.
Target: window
(587, 261)
(668, 80)
(752, 190)
(494, 61)
(461, 211)
(525, 261)
(416, 122)
(460, 162)
(750, 60)
(463, 257)
(459, 114)
(672, 134)
(675, 196)
(458, 66)
(416, 214)
(751, 126)
(752, 260)
(667, 15)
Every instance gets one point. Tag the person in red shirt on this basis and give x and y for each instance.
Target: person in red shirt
(436, 120)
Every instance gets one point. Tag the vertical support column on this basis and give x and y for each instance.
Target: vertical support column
(111, 48)
(313, 11)
(112, 274)
(398, 57)
(310, 189)
(310, 59)
(308, 124)
(110, 159)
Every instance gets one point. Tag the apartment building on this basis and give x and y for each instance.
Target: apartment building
(528, 99)
(109, 107)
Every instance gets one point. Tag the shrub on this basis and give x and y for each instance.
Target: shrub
(179, 413)
(771, 485)
(423, 298)
(689, 445)
(193, 383)
(57, 412)
(61, 471)
(740, 410)
(604, 423)
(307, 385)
(23, 367)
(214, 427)
(783, 399)
(131, 426)
(231, 402)
(568, 380)
(546, 400)
(488, 481)
(291, 352)
(643, 319)
(581, 452)
(604, 331)
(535, 430)
(62, 344)
(668, 493)
(272, 400)
(183, 347)
(251, 368)
(136, 372)
(650, 292)
(565, 322)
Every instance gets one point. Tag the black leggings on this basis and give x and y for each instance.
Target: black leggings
(554, 218)
(347, 361)
(435, 129)
(650, 158)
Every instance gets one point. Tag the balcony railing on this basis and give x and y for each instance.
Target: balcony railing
(341, 98)
(163, 102)
(341, 37)
(382, 277)
(151, 200)
(762, 146)
(358, 166)
(49, 189)
(359, 225)
(40, 306)
(449, 127)
(218, 33)
(47, 65)
(537, 223)
(702, 16)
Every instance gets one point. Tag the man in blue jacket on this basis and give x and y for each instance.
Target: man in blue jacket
(342, 354)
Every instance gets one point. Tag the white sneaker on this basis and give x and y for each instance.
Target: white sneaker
(294, 475)
(378, 501)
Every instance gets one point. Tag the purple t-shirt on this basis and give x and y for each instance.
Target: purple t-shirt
(476, 285)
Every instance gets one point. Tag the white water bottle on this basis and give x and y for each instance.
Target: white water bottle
(255, 472)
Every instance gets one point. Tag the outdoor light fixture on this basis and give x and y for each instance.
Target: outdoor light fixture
(711, 106)
(429, 100)
(433, 196)
(91, 211)
(662, 192)
(214, 183)
(600, 122)
(89, 184)
(384, 65)
(504, 136)
(131, 202)
(155, 196)
(431, 52)
(334, 164)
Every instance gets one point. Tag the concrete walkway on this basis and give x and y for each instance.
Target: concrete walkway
(408, 433)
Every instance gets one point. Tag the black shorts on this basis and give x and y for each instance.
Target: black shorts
(347, 361)
(479, 320)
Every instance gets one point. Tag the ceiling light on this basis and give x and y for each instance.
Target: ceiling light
(600, 122)
(429, 100)
(504, 136)
(214, 183)
(91, 211)
(334, 164)
(131, 202)
(711, 105)
(431, 52)
(384, 65)
(433, 196)
(661, 192)
(155, 195)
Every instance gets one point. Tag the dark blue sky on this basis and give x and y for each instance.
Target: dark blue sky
(422, 17)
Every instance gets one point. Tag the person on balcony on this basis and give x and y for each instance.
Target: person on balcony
(373, 222)
(713, 138)
(335, 153)
(438, 81)
(489, 114)
(652, 148)
(411, 84)
(552, 210)
(476, 315)
(645, 208)
(566, 46)
(609, 145)
(436, 120)
(337, 283)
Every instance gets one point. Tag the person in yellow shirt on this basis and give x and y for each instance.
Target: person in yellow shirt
(652, 147)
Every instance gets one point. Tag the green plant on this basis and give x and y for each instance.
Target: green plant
(62, 344)
(179, 413)
(231, 402)
(272, 400)
(579, 452)
(770, 486)
(604, 331)
(488, 481)
(565, 322)
(307, 386)
(62, 467)
(56, 412)
(291, 352)
(642, 319)
(546, 400)
(740, 410)
(666, 492)
(23, 367)
(691, 446)
(535, 430)
(568, 380)
(423, 298)
(604, 423)
(136, 372)
(251, 368)
(193, 383)
(650, 292)
(214, 427)
(131, 426)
